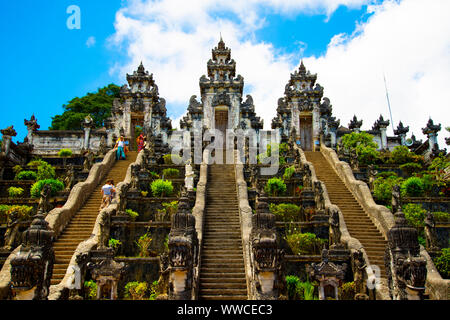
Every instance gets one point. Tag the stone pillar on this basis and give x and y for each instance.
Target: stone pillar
(88, 123)
(383, 137)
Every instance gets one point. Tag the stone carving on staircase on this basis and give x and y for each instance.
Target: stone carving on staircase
(122, 194)
(134, 184)
(405, 267)
(32, 266)
(359, 266)
(183, 252)
(396, 199)
(44, 201)
(12, 231)
(335, 231)
(371, 175)
(69, 179)
(318, 196)
(102, 147)
(267, 258)
(354, 164)
(430, 232)
(88, 161)
(307, 176)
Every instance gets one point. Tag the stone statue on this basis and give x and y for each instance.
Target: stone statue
(102, 147)
(88, 162)
(44, 201)
(69, 180)
(189, 176)
(307, 176)
(371, 174)
(12, 231)
(354, 164)
(430, 232)
(104, 230)
(122, 205)
(32, 266)
(318, 196)
(335, 234)
(359, 275)
(134, 184)
(396, 199)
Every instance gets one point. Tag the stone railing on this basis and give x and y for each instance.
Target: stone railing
(245, 214)
(58, 218)
(353, 244)
(383, 219)
(198, 213)
(74, 272)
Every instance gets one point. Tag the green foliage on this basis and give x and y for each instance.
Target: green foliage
(166, 244)
(169, 208)
(441, 216)
(382, 190)
(98, 105)
(414, 214)
(45, 171)
(275, 187)
(172, 159)
(36, 188)
(367, 154)
(303, 243)
(14, 192)
(91, 287)
(351, 140)
(133, 214)
(22, 213)
(412, 187)
(402, 155)
(143, 244)
(65, 153)
(161, 188)
(347, 291)
(291, 286)
(26, 175)
(136, 290)
(288, 172)
(386, 174)
(154, 292)
(17, 169)
(114, 243)
(442, 263)
(36, 163)
(410, 167)
(306, 290)
(285, 211)
(154, 175)
(171, 173)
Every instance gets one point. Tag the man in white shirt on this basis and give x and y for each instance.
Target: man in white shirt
(108, 192)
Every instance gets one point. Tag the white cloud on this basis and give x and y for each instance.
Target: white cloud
(409, 41)
(90, 42)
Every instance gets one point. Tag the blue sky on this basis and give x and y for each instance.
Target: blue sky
(45, 64)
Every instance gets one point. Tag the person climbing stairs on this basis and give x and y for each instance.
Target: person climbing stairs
(358, 222)
(222, 272)
(80, 227)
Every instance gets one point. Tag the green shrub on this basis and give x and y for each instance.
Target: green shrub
(91, 287)
(305, 290)
(386, 174)
(154, 290)
(303, 243)
(170, 208)
(412, 187)
(441, 216)
(36, 163)
(414, 214)
(347, 291)
(442, 263)
(171, 173)
(136, 290)
(17, 169)
(410, 167)
(285, 211)
(65, 153)
(133, 214)
(143, 244)
(36, 188)
(351, 140)
(172, 159)
(367, 154)
(114, 243)
(154, 175)
(161, 188)
(288, 172)
(382, 190)
(275, 187)
(45, 171)
(26, 175)
(428, 181)
(22, 212)
(291, 286)
(401, 155)
(14, 192)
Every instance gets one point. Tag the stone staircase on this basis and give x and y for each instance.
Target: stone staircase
(81, 226)
(222, 272)
(358, 222)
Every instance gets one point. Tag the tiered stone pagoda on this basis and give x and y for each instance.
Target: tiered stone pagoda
(221, 105)
(139, 105)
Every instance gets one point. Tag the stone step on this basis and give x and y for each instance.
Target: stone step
(220, 286)
(216, 280)
(242, 292)
(223, 297)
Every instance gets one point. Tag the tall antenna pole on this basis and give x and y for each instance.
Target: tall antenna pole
(389, 104)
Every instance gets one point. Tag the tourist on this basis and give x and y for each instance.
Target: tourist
(140, 142)
(120, 145)
(108, 192)
(127, 147)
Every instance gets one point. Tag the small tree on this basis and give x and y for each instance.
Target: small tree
(65, 153)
